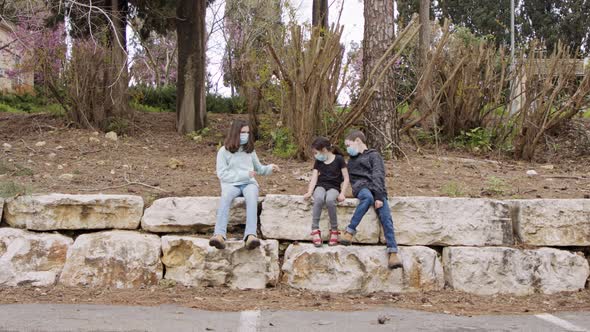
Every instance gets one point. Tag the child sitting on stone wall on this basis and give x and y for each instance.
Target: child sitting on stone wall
(328, 184)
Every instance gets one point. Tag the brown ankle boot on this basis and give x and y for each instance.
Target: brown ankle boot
(394, 262)
(252, 242)
(346, 239)
(217, 241)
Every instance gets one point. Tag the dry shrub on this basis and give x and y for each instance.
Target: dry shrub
(310, 72)
(477, 77)
(552, 95)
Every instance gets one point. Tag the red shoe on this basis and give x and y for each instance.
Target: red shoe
(333, 238)
(316, 238)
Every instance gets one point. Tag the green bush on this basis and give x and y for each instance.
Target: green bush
(220, 104)
(283, 145)
(155, 97)
(163, 99)
(476, 139)
(28, 103)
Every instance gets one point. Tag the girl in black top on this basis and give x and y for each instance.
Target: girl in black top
(328, 184)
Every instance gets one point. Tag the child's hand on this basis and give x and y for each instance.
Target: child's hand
(378, 204)
(275, 168)
(307, 195)
(341, 197)
(252, 174)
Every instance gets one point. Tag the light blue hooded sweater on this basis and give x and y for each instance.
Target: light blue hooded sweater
(234, 168)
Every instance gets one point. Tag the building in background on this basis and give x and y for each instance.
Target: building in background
(12, 77)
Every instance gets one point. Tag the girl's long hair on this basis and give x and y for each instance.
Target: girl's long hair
(321, 142)
(232, 140)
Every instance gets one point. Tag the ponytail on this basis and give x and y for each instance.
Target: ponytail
(321, 143)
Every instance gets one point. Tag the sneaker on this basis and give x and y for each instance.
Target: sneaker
(252, 242)
(394, 262)
(217, 241)
(346, 239)
(316, 238)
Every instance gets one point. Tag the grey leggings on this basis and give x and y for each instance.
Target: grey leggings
(321, 197)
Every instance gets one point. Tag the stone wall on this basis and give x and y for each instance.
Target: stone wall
(118, 244)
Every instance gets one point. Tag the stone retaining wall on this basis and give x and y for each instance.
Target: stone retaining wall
(121, 245)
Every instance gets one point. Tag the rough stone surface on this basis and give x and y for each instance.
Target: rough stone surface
(500, 270)
(553, 222)
(289, 218)
(443, 221)
(192, 262)
(361, 269)
(189, 214)
(119, 259)
(59, 211)
(28, 258)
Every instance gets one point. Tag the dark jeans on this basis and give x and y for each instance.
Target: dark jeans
(366, 200)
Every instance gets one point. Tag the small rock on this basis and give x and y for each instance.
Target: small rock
(175, 163)
(95, 133)
(40, 144)
(7, 147)
(46, 176)
(101, 162)
(66, 177)
(321, 323)
(111, 135)
(60, 167)
(112, 172)
(51, 155)
(549, 167)
(383, 319)
(94, 140)
(531, 173)
(59, 147)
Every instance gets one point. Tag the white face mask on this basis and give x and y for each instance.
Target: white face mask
(244, 138)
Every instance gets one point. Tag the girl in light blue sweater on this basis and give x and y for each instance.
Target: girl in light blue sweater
(237, 168)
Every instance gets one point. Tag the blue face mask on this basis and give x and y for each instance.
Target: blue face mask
(244, 138)
(352, 151)
(321, 157)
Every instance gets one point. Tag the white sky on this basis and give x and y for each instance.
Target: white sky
(352, 19)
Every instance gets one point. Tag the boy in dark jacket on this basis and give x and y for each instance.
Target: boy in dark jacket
(367, 176)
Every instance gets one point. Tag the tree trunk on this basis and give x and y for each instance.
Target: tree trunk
(426, 102)
(191, 34)
(117, 78)
(381, 119)
(320, 13)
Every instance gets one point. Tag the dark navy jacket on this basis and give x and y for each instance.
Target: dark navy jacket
(367, 170)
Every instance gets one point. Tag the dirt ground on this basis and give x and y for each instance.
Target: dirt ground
(81, 161)
(284, 298)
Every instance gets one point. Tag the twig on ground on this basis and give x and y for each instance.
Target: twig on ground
(563, 177)
(28, 147)
(129, 183)
(89, 152)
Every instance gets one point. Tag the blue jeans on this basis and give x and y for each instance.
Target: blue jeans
(228, 194)
(366, 200)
